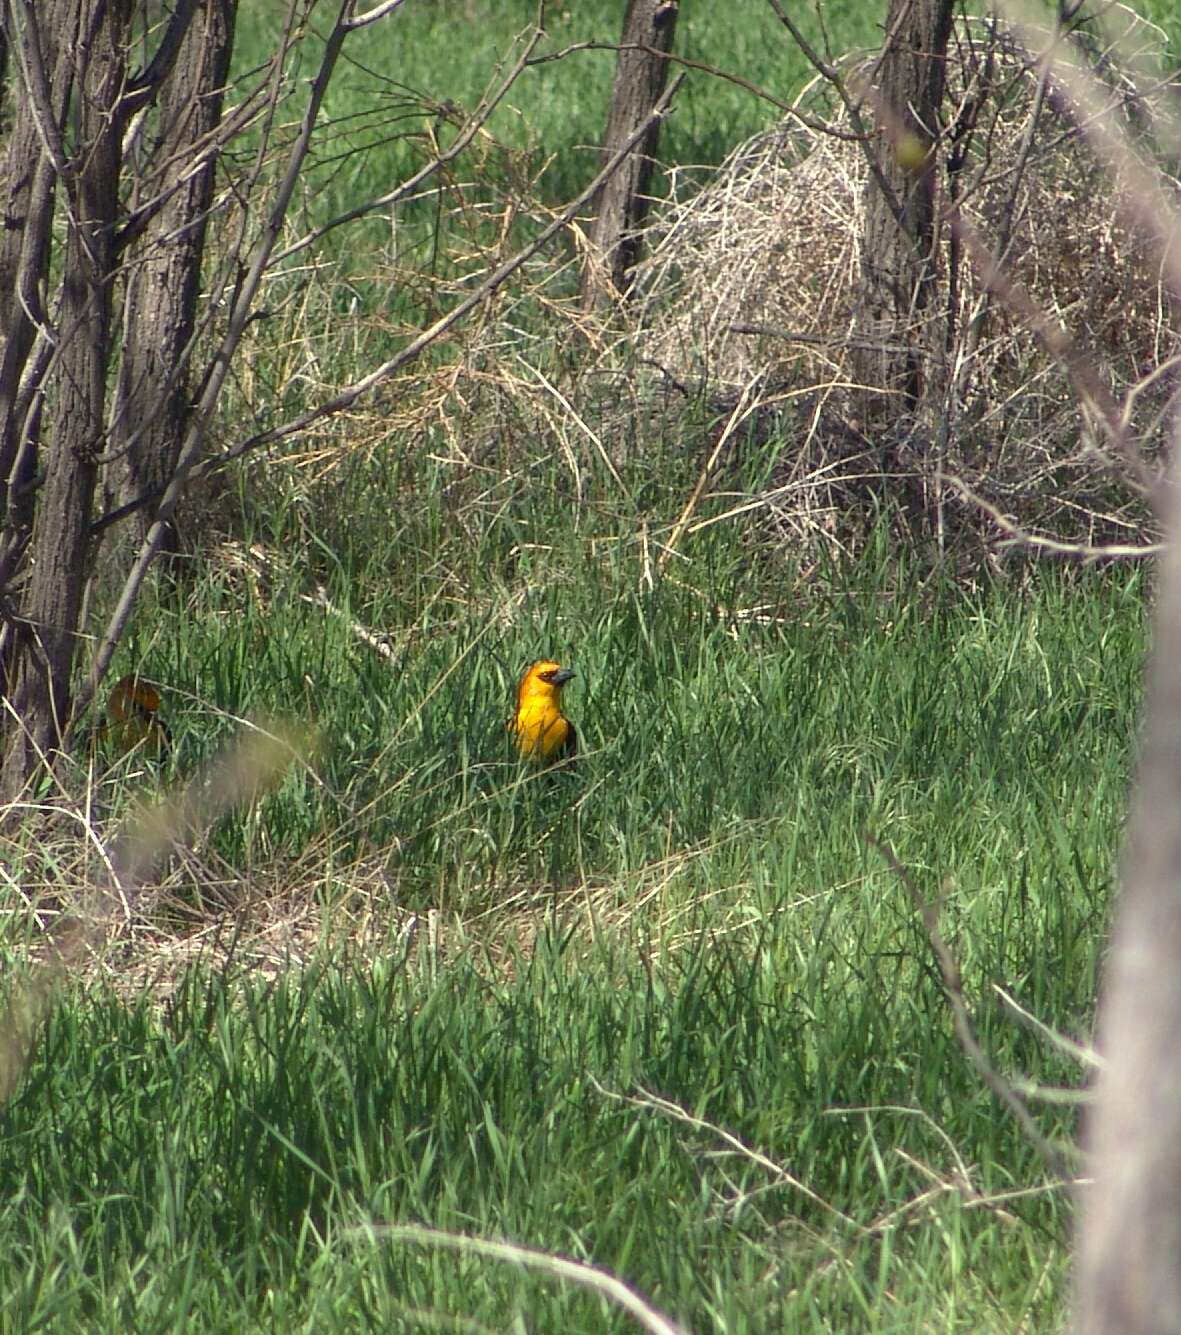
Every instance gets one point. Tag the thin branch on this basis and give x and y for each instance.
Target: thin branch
(599, 1281)
(714, 71)
(840, 340)
(828, 72)
(379, 643)
(351, 393)
(375, 15)
(746, 405)
(831, 75)
(1022, 537)
(667, 1108)
(180, 168)
(475, 123)
(1084, 1055)
(1146, 202)
(953, 989)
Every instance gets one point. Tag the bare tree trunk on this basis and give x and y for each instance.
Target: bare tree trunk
(76, 56)
(28, 181)
(164, 271)
(898, 265)
(622, 205)
(1129, 1256)
(40, 693)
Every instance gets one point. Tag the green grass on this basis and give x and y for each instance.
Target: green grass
(556, 112)
(219, 1167)
(886, 697)
(693, 912)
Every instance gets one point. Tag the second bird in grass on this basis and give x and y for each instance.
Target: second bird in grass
(541, 730)
(132, 719)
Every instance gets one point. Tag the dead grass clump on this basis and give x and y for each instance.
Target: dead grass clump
(770, 240)
(757, 273)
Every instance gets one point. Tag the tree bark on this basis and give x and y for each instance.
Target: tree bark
(164, 271)
(96, 44)
(640, 77)
(28, 182)
(898, 251)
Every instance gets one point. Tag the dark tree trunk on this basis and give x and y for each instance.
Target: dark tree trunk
(28, 182)
(76, 75)
(898, 254)
(621, 207)
(164, 269)
(40, 690)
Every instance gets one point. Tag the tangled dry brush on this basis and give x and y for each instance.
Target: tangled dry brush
(755, 277)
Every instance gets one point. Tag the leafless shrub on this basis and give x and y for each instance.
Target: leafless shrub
(756, 272)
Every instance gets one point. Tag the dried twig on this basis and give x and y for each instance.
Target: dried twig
(953, 989)
(747, 403)
(597, 1280)
(1019, 536)
(667, 1108)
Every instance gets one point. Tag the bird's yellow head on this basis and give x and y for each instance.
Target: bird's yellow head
(543, 731)
(543, 680)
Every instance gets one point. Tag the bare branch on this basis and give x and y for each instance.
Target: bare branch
(748, 402)
(714, 71)
(375, 15)
(351, 393)
(1147, 203)
(475, 123)
(827, 71)
(195, 159)
(586, 1276)
(953, 989)
(1021, 537)
(667, 1108)
(1085, 1055)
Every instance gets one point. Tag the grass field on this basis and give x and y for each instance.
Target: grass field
(445, 53)
(670, 1013)
(694, 915)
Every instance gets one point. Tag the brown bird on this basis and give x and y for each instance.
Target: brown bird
(543, 733)
(132, 719)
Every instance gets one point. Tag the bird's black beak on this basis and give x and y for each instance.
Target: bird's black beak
(562, 676)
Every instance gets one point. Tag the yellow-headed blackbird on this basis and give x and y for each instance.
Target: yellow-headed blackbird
(542, 731)
(132, 719)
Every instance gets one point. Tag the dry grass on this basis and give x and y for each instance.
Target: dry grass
(751, 285)
(756, 274)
